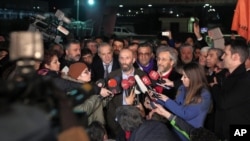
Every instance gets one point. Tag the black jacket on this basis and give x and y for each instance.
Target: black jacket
(151, 130)
(176, 78)
(97, 69)
(232, 101)
(112, 126)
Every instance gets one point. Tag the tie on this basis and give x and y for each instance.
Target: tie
(106, 71)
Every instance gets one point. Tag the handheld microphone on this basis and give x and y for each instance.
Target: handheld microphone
(156, 76)
(125, 86)
(131, 80)
(157, 80)
(113, 86)
(148, 83)
(140, 84)
(100, 83)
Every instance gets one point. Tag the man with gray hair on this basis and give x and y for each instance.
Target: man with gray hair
(186, 54)
(106, 64)
(166, 60)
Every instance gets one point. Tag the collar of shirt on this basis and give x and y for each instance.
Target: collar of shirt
(166, 73)
(110, 66)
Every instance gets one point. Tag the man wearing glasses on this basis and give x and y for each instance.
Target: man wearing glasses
(145, 58)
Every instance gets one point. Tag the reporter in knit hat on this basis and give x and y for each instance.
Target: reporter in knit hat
(76, 69)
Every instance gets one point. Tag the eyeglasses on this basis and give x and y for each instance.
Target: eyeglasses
(162, 59)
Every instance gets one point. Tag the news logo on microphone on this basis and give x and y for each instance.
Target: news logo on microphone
(114, 85)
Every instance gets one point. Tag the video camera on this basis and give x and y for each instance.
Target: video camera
(50, 29)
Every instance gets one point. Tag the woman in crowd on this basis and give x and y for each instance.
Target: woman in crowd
(80, 75)
(193, 99)
(50, 66)
(191, 133)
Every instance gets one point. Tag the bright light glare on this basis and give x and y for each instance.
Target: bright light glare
(91, 2)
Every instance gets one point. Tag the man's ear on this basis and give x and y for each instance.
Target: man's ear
(172, 63)
(133, 59)
(235, 56)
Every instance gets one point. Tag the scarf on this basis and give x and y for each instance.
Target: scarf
(147, 68)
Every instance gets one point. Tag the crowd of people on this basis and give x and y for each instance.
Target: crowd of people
(200, 93)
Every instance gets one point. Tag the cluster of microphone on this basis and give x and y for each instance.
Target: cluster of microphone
(128, 84)
(142, 84)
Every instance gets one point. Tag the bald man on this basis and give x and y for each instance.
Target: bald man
(126, 60)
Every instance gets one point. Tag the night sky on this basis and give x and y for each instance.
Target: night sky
(64, 3)
(60, 3)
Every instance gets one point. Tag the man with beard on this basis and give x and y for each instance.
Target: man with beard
(166, 61)
(126, 70)
(72, 55)
(185, 56)
(117, 45)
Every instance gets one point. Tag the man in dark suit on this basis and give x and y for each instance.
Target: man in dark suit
(127, 69)
(106, 61)
(232, 99)
(166, 60)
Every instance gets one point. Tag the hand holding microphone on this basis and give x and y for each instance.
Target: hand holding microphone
(148, 103)
(130, 99)
(100, 83)
(113, 85)
(151, 92)
(168, 82)
(157, 80)
(105, 92)
(163, 97)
